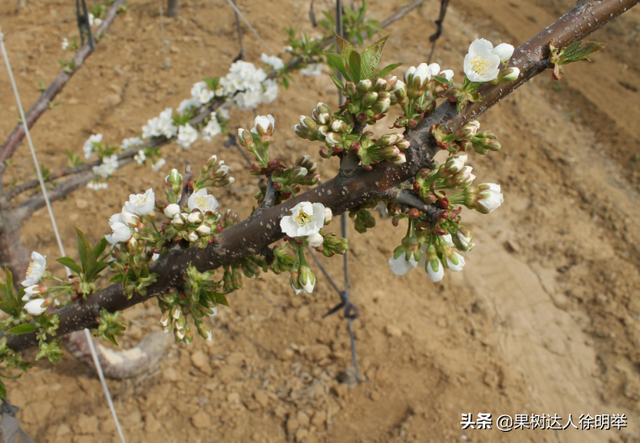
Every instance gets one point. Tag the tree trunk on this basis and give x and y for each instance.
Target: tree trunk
(172, 8)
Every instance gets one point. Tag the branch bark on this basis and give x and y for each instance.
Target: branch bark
(42, 104)
(342, 192)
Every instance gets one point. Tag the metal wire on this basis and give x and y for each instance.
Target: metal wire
(55, 226)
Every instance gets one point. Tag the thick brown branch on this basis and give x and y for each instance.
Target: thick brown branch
(340, 193)
(42, 104)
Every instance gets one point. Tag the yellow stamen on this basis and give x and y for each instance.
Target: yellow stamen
(201, 202)
(481, 65)
(302, 218)
(31, 271)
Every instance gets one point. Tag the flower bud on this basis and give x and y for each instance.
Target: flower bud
(339, 126)
(399, 159)
(364, 86)
(307, 279)
(176, 312)
(205, 331)
(380, 85)
(298, 173)
(178, 221)
(204, 230)
(315, 240)
(192, 237)
(369, 99)
(333, 139)
(509, 75)
(308, 123)
(504, 51)
(468, 130)
(164, 320)
(351, 89)
(328, 215)
(171, 210)
(381, 106)
(245, 138)
(195, 218)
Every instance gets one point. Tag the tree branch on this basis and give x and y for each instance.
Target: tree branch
(42, 104)
(65, 188)
(161, 141)
(340, 193)
(409, 198)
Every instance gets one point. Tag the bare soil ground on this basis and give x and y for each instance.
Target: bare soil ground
(544, 319)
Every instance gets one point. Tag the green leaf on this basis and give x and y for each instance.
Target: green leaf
(285, 82)
(3, 390)
(116, 278)
(344, 47)
(24, 328)
(144, 271)
(99, 248)
(371, 57)
(112, 339)
(70, 263)
(7, 288)
(95, 269)
(335, 61)
(355, 66)
(84, 249)
(337, 82)
(222, 299)
(387, 70)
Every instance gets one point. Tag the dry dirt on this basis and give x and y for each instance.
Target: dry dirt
(544, 319)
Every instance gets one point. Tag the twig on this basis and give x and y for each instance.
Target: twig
(434, 38)
(186, 189)
(42, 104)
(65, 188)
(240, 55)
(409, 198)
(128, 154)
(269, 195)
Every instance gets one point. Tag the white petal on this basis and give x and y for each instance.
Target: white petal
(400, 265)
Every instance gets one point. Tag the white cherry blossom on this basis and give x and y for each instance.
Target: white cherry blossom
(203, 201)
(30, 291)
(141, 204)
(491, 198)
(307, 219)
(264, 122)
(121, 231)
(275, 62)
(36, 269)
(89, 147)
(187, 134)
(481, 64)
(212, 129)
(201, 93)
(34, 307)
(312, 70)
